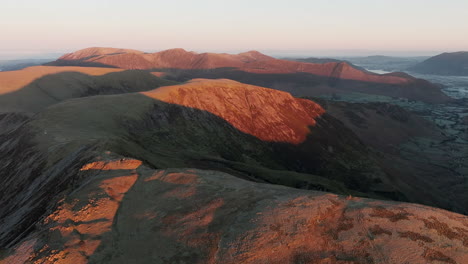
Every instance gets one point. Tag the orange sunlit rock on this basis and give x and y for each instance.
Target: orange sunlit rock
(282, 117)
(229, 220)
(82, 221)
(329, 229)
(22, 253)
(124, 164)
(159, 74)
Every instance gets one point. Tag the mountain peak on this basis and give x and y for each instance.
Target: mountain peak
(255, 55)
(97, 51)
(175, 51)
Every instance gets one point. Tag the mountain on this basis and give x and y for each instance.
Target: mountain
(298, 78)
(455, 63)
(127, 212)
(251, 61)
(34, 88)
(251, 132)
(100, 176)
(234, 127)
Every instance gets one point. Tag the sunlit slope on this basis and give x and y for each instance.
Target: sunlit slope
(126, 209)
(34, 88)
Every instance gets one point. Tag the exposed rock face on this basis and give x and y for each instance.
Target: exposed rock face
(455, 63)
(128, 212)
(34, 88)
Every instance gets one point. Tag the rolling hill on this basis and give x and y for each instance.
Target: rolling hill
(455, 63)
(34, 88)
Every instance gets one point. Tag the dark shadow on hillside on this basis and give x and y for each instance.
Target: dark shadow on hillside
(302, 83)
(176, 136)
(306, 84)
(80, 63)
(28, 186)
(54, 88)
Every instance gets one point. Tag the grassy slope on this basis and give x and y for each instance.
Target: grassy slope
(34, 88)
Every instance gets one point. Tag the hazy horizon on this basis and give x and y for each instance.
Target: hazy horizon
(318, 28)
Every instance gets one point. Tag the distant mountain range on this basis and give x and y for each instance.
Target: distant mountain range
(255, 68)
(455, 64)
(251, 61)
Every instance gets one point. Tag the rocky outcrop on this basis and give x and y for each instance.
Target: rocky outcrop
(455, 64)
(128, 212)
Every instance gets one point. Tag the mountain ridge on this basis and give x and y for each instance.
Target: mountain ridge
(251, 61)
(448, 63)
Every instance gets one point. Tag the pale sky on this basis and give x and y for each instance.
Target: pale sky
(420, 26)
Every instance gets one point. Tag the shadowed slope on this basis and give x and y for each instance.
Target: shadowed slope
(212, 124)
(455, 64)
(113, 204)
(35, 88)
(122, 215)
(15, 80)
(40, 151)
(390, 129)
(251, 109)
(305, 84)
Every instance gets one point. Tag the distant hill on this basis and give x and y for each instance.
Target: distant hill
(35, 88)
(325, 60)
(455, 64)
(385, 63)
